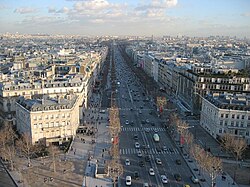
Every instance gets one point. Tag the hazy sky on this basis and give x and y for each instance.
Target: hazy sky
(117, 17)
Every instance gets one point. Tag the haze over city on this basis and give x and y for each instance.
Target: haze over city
(117, 17)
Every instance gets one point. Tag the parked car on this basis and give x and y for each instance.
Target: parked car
(177, 177)
(194, 179)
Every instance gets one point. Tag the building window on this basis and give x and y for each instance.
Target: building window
(225, 124)
(226, 115)
(40, 125)
(221, 123)
(247, 133)
(222, 115)
(237, 124)
(233, 116)
(46, 117)
(51, 124)
(52, 117)
(34, 118)
(242, 117)
(242, 124)
(232, 123)
(238, 116)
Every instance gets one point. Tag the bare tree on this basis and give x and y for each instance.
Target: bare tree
(54, 151)
(10, 153)
(213, 165)
(189, 139)
(238, 147)
(173, 120)
(7, 147)
(227, 141)
(115, 169)
(234, 144)
(25, 146)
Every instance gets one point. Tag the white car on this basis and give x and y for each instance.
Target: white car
(158, 161)
(127, 162)
(139, 153)
(128, 181)
(151, 172)
(164, 179)
(194, 179)
(137, 145)
(127, 123)
(155, 130)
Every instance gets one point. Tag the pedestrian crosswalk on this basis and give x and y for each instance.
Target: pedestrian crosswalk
(154, 129)
(129, 151)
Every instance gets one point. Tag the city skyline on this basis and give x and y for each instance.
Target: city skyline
(115, 17)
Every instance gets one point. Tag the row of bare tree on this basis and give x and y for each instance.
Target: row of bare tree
(206, 161)
(13, 147)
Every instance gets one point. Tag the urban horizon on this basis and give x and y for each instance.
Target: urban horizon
(132, 18)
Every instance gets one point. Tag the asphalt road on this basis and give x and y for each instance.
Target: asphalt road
(136, 108)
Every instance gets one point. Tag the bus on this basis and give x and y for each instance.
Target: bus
(156, 138)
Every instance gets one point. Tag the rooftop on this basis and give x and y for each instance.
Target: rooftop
(47, 103)
(230, 102)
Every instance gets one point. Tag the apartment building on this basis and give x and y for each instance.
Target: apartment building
(48, 119)
(148, 64)
(222, 114)
(79, 79)
(199, 80)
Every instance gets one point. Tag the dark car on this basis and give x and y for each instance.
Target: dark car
(177, 177)
(135, 137)
(143, 121)
(158, 149)
(178, 162)
(141, 163)
(147, 158)
(136, 175)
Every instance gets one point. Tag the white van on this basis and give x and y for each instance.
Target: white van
(128, 181)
